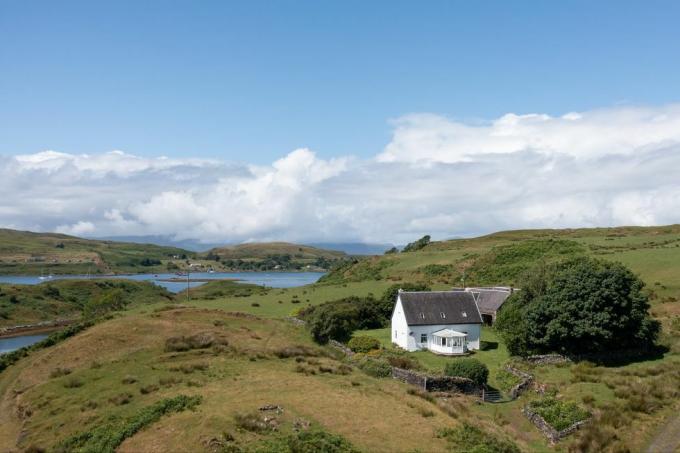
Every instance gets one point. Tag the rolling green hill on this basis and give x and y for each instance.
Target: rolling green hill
(274, 256)
(28, 253)
(499, 258)
(230, 346)
(67, 299)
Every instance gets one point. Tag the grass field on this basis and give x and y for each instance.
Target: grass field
(373, 414)
(26, 253)
(117, 368)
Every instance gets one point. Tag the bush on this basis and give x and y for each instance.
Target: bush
(308, 441)
(73, 382)
(403, 362)
(197, 341)
(375, 367)
(336, 320)
(469, 438)
(417, 245)
(58, 372)
(106, 437)
(472, 369)
(363, 343)
(579, 306)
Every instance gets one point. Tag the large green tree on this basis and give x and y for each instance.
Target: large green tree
(580, 306)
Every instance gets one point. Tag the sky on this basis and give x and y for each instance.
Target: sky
(337, 121)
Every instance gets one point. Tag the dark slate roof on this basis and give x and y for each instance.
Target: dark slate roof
(489, 299)
(426, 308)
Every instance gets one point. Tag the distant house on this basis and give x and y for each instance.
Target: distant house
(444, 322)
(489, 300)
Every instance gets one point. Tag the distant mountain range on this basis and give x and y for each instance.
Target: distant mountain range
(351, 248)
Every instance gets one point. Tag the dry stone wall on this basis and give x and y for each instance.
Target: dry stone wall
(551, 433)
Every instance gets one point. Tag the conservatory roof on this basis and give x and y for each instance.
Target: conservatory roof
(448, 333)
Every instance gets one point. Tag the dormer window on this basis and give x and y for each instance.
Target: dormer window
(442, 314)
(464, 315)
(422, 315)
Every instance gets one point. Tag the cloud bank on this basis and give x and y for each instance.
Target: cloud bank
(436, 176)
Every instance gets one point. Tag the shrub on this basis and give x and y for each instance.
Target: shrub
(298, 350)
(375, 367)
(363, 343)
(470, 438)
(148, 389)
(121, 399)
(73, 382)
(106, 437)
(337, 319)
(309, 441)
(197, 341)
(417, 245)
(129, 380)
(579, 306)
(472, 369)
(58, 372)
(404, 362)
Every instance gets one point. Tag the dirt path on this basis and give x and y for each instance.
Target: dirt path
(667, 439)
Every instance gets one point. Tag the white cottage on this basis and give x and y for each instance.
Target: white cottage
(444, 322)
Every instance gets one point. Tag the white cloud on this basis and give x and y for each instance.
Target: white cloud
(437, 176)
(77, 229)
(624, 130)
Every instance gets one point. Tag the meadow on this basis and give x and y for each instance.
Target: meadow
(119, 368)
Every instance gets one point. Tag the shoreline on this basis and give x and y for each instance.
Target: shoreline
(30, 329)
(130, 274)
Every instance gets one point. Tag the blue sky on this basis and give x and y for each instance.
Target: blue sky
(337, 121)
(251, 81)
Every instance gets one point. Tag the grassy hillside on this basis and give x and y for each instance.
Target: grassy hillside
(24, 252)
(498, 259)
(274, 256)
(66, 299)
(237, 364)
(121, 368)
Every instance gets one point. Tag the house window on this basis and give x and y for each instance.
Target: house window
(423, 338)
(443, 341)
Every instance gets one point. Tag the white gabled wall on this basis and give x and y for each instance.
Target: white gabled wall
(408, 337)
(400, 329)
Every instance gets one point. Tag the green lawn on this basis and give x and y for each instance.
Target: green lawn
(493, 354)
(280, 303)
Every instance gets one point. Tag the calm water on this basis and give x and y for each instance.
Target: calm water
(10, 344)
(271, 279)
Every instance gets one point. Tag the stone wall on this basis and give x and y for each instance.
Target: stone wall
(410, 377)
(526, 381)
(452, 384)
(337, 345)
(436, 383)
(547, 359)
(551, 433)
